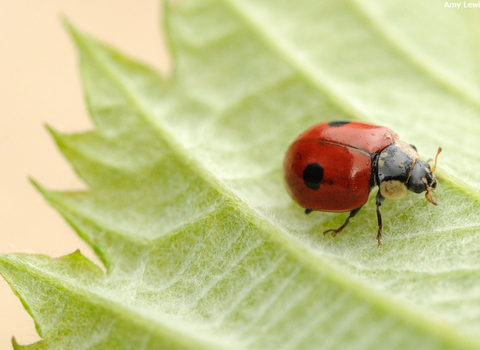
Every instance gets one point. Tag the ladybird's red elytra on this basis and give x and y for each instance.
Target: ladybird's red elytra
(332, 166)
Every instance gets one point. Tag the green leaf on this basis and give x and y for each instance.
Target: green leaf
(186, 208)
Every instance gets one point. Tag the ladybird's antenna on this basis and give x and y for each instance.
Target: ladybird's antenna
(429, 193)
(438, 152)
(429, 196)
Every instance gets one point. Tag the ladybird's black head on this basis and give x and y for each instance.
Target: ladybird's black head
(422, 179)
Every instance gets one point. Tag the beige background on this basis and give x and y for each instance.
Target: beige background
(39, 85)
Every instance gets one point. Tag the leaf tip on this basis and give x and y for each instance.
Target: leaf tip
(15, 345)
(60, 139)
(37, 185)
(74, 32)
(50, 129)
(47, 195)
(54, 133)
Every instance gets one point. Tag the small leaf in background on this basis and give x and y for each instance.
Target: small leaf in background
(187, 209)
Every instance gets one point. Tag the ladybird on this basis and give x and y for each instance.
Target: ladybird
(333, 166)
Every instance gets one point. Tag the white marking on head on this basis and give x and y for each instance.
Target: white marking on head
(409, 150)
(393, 189)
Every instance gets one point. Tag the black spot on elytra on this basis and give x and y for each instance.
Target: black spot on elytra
(338, 123)
(312, 175)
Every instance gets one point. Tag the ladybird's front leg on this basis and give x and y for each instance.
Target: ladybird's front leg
(338, 230)
(378, 203)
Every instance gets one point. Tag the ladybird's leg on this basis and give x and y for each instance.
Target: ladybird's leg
(378, 202)
(338, 230)
(308, 211)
